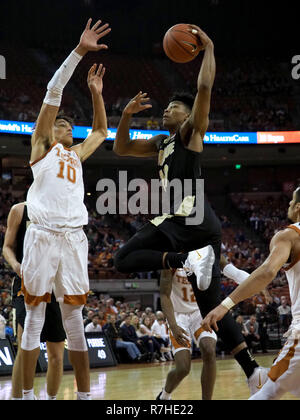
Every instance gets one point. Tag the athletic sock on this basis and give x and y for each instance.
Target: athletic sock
(165, 395)
(246, 361)
(174, 260)
(50, 397)
(28, 394)
(17, 398)
(83, 396)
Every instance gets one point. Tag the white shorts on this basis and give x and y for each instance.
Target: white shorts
(284, 374)
(55, 261)
(191, 323)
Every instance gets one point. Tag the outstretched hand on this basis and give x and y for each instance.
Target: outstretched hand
(90, 37)
(138, 104)
(95, 79)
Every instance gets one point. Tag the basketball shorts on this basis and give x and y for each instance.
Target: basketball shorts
(190, 322)
(55, 261)
(53, 329)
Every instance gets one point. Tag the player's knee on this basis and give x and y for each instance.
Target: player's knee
(34, 321)
(183, 369)
(73, 325)
(55, 360)
(208, 350)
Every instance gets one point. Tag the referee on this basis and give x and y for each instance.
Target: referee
(53, 332)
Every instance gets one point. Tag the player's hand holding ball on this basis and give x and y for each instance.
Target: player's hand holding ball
(183, 42)
(202, 36)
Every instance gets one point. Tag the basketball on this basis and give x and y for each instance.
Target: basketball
(180, 44)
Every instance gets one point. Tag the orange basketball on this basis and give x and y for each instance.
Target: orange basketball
(180, 44)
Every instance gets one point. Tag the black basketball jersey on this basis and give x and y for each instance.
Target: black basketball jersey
(16, 284)
(176, 162)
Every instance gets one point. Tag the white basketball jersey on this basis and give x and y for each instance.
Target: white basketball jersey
(55, 198)
(293, 277)
(182, 294)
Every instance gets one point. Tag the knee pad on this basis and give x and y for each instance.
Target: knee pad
(34, 322)
(73, 325)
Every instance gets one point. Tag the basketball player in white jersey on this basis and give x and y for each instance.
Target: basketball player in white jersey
(184, 317)
(284, 251)
(55, 246)
(180, 307)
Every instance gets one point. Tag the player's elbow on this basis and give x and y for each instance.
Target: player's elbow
(205, 86)
(118, 150)
(268, 272)
(101, 134)
(5, 252)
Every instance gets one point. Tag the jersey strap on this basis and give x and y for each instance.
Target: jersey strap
(44, 155)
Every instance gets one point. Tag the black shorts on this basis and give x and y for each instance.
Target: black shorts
(53, 329)
(173, 236)
(186, 238)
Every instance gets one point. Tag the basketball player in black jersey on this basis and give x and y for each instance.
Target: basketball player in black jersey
(168, 241)
(53, 333)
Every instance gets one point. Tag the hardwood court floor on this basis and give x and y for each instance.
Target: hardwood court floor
(144, 382)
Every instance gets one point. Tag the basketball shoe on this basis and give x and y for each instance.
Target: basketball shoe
(200, 263)
(160, 395)
(257, 379)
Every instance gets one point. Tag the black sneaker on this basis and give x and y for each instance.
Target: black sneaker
(159, 395)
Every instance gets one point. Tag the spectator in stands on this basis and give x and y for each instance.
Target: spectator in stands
(262, 320)
(110, 307)
(148, 310)
(120, 321)
(102, 318)
(150, 343)
(93, 326)
(152, 124)
(285, 314)
(89, 318)
(115, 336)
(252, 337)
(128, 334)
(159, 331)
(240, 321)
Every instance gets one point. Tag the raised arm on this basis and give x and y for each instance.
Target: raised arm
(280, 250)
(99, 130)
(10, 240)
(194, 129)
(123, 146)
(43, 135)
(168, 309)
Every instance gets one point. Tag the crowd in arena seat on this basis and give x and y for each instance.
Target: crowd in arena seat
(132, 330)
(265, 215)
(249, 95)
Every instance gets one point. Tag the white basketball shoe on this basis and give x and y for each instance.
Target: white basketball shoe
(200, 263)
(257, 379)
